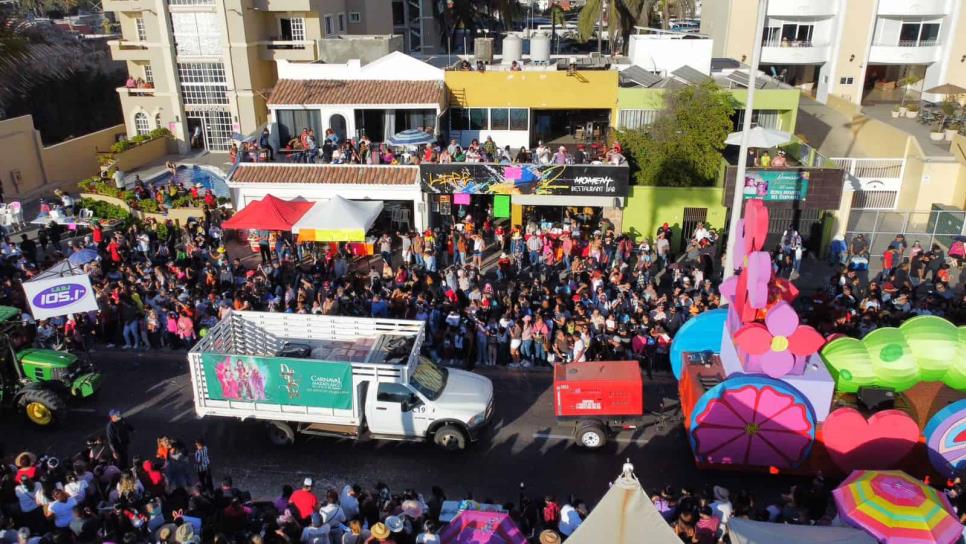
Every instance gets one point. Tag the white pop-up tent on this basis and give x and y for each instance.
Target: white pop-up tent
(623, 516)
(743, 531)
(337, 220)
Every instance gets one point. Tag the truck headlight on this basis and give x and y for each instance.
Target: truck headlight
(477, 420)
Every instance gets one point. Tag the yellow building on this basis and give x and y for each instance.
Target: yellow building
(861, 51)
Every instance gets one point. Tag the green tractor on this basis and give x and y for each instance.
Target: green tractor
(39, 381)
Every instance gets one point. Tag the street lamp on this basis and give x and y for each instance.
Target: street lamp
(738, 197)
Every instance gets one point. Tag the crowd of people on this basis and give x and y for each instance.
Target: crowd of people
(306, 148)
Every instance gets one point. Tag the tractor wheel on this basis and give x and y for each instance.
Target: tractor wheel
(43, 407)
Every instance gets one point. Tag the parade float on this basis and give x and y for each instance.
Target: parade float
(761, 391)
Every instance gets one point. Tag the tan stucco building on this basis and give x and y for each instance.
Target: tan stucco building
(857, 50)
(210, 64)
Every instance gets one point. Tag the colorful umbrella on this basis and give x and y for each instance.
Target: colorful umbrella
(475, 527)
(896, 508)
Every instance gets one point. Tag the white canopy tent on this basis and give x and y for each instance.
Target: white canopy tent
(337, 220)
(623, 516)
(745, 531)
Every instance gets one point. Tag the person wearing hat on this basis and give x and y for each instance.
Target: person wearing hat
(722, 505)
(185, 534)
(380, 533)
(549, 536)
(304, 501)
(118, 434)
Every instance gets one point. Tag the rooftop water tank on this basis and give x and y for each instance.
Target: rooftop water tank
(540, 48)
(483, 49)
(512, 49)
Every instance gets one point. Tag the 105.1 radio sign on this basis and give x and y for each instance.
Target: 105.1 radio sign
(52, 297)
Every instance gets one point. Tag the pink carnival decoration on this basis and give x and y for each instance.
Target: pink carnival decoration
(775, 345)
(755, 226)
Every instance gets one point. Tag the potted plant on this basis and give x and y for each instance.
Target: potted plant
(896, 111)
(937, 134)
(912, 111)
(951, 130)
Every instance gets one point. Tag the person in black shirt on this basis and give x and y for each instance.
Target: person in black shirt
(119, 438)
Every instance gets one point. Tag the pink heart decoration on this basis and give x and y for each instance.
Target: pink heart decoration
(881, 442)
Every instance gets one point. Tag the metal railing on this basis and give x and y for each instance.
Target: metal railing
(907, 43)
(876, 182)
(880, 227)
(191, 2)
(791, 43)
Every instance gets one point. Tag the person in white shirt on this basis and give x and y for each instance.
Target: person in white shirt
(542, 153)
(580, 349)
(722, 505)
(571, 517)
(76, 487)
(701, 233)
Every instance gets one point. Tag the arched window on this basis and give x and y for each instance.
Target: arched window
(337, 124)
(141, 125)
(157, 121)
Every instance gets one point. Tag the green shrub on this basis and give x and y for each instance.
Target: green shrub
(182, 202)
(147, 206)
(105, 210)
(159, 133)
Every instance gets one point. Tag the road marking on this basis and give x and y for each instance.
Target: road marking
(619, 439)
(181, 415)
(86, 410)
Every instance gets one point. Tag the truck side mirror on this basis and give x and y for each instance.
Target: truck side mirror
(410, 403)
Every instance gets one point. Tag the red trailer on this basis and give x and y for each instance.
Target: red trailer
(599, 398)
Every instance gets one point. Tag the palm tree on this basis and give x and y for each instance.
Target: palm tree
(621, 15)
(28, 57)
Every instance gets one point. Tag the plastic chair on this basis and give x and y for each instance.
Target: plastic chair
(15, 213)
(85, 214)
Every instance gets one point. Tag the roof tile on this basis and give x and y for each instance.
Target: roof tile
(327, 91)
(318, 173)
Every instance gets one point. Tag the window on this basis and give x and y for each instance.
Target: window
(459, 119)
(291, 123)
(142, 32)
(203, 83)
(846, 81)
(342, 22)
(293, 29)
(355, 17)
(478, 119)
(761, 118)
(398, 13)
(148, 74)
(216, 127)
(918, 34)
(197, 34)
(519, 119)
(634, 119)
(157, 120)
(418, 119)
(499, 119)
(328, 25)
(393, 392)
(141, 125)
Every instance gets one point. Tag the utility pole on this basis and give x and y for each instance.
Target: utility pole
(738, 198)
(600, 28)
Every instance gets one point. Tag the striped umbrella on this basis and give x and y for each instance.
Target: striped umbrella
(412, 136)
(896, 508)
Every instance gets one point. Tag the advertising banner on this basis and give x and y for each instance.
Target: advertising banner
(278, 380)
(57, 296)
(525, 179)
(776, 185)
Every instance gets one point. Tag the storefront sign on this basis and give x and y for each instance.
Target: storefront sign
(776, 185)
(501, 206)
(53, 297)
(278, 380)
(504, 179)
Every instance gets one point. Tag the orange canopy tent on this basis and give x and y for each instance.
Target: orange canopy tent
(269, 213)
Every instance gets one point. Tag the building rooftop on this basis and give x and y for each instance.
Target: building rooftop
(319, 91)
(328, 173)
(726, 78)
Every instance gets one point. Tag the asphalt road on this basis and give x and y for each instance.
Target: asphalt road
(524, 443)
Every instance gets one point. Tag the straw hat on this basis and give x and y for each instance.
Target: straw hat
(380, 531)
(549, 536)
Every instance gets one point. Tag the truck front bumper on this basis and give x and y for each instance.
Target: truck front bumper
(478, 429)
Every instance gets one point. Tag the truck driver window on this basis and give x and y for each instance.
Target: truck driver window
(393, 392)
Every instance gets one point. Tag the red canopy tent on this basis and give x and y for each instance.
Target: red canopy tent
(269, 213)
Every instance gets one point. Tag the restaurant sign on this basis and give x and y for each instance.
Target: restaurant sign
(530, 179)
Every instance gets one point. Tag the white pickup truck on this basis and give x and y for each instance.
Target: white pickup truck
(335, 376)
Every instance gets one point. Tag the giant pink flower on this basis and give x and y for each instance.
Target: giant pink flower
(775, 345)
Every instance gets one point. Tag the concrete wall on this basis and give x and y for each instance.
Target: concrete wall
(76, 159)
(649, 207)
(661, 53)
(724, 20)
(28, 169)
(849, 55)
(368, 49)
(538, 90)
(178, 215)
(145, 153)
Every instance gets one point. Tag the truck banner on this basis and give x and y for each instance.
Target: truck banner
(278, 380)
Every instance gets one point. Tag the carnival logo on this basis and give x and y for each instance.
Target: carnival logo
(59, 296)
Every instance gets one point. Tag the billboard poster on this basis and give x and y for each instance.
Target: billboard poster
(525, 179)
(776, 185)
(57, 296)
(278, 380)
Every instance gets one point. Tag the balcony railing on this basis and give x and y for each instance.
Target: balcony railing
(791, 43)
(137, 91)
(287, 44)
(908, 43)
(191, 2)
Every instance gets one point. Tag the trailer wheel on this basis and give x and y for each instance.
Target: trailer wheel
(591, 436)
(280, 433)
(450, 437)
